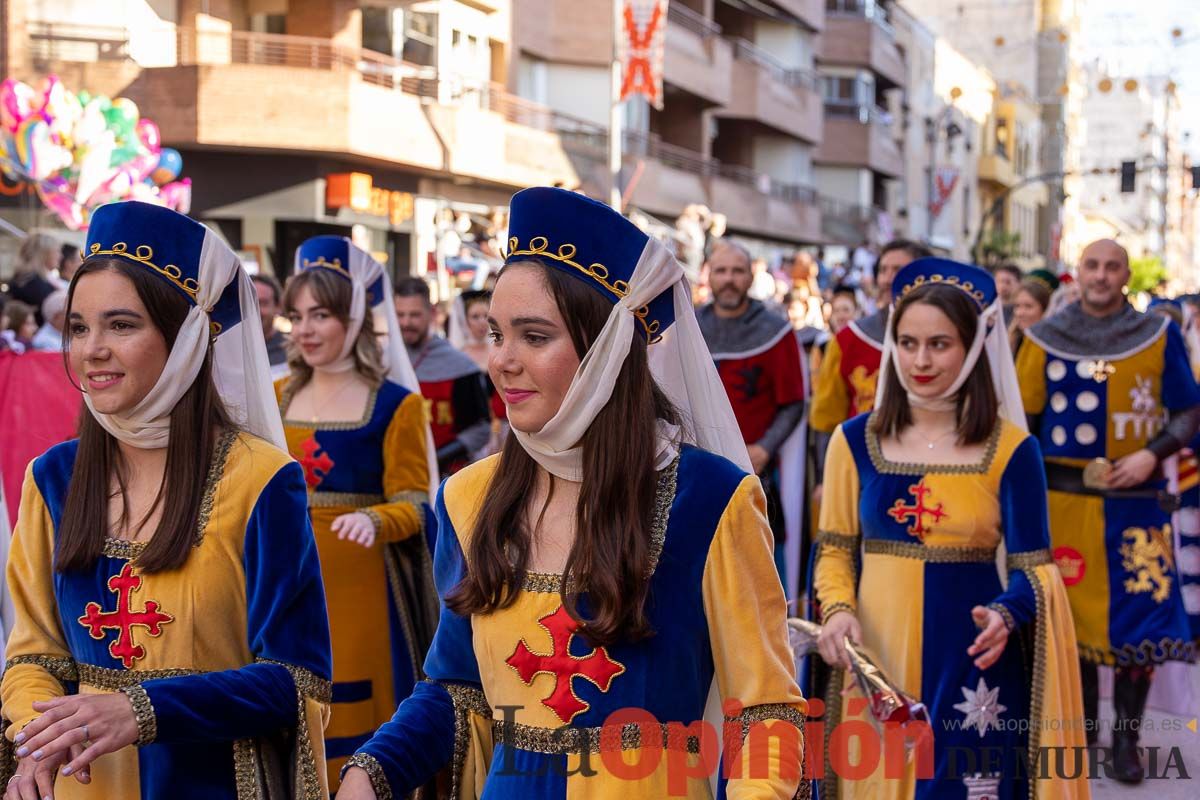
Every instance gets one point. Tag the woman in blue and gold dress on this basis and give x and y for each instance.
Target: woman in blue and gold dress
(356, 423)
(919, 496)
(601, 563)
(152, 605)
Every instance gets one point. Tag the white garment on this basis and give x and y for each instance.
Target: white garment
(679, 361)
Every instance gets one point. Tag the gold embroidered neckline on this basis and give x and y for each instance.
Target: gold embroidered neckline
(885, 467)
(664, 498)
(130, 550)
(285, 400)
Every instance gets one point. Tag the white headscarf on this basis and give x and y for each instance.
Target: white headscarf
(990, 337)
(365, 272)
(679, 361)
(240, 368)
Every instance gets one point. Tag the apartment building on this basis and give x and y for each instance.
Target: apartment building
(863, 80)
(741, 114)
(387, 121)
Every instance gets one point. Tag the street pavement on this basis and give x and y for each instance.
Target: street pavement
(1164, 731)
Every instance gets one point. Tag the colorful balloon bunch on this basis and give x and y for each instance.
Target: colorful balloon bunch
(80, 151)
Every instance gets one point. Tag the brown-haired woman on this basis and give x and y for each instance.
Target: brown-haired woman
(1030, 304)
(599, 564)
(355, 422)
(919, 495)
(152, 607)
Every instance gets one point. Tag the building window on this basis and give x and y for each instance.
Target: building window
(420, 38)
(1000, 146)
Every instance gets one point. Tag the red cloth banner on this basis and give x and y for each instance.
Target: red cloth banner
(642, 42)
(943, 186)
(38, 409)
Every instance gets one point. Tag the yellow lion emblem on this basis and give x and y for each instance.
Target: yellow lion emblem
(863, 383)
(1149, 556)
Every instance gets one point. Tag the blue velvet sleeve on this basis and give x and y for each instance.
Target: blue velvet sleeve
(287, 627)
(1179, 390)
(419, 739)
(1026, 519)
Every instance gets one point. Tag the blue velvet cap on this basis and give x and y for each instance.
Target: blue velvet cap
(1155, 300)
(332, 253)
(976, 282)
(166, 243)
(588, 241)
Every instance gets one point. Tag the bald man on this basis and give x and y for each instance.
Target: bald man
(1110, 396)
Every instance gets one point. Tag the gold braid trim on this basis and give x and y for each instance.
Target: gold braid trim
(115, 680)
(285, 400)
(1003, 611)
(933, 555)
(392, 568)
(342, 499)
(122, 548)
(830, 784)
(1038, 687)
(376, 519)
(309, 686)
(842, 541)
(885, 467)
(245, 771)
(1147, 652)
(539, 246)
(143, 712)
(142, 254)
(765, 712)
(1029, 560)
(467, 700)
(414, 497)
(60, 668)
(829, 610)
(379, 781)
(567, 740)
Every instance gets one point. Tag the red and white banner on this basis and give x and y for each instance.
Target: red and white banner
(641, 46)
(943, 186)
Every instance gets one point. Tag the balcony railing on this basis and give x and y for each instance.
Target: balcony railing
(790, 76)
(873, 11)
(864, 113)
(651, 146)
(186, 47)
(688, 19)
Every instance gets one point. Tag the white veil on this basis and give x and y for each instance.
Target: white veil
(991, 338)
(241, 370)
(365, 272)
(679, 361)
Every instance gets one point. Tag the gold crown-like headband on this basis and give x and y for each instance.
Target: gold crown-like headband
(950, 280)
(539, 246)
(321, 263)
(142, 255)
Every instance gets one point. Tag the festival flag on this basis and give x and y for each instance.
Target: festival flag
(943, 186)
(640, 46)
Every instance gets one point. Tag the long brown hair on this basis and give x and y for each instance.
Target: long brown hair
(976, 407)
(610, 558)
(196, 421)
(334, 294)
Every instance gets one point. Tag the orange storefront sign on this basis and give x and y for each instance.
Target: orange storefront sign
(357, 191)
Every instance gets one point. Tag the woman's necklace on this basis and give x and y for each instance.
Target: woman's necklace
(932, 442)
(319, 407)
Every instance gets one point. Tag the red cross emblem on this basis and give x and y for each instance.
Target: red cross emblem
(123, 619)
(596, 667)
(639, 74)
(917, 511)
(316, 467)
